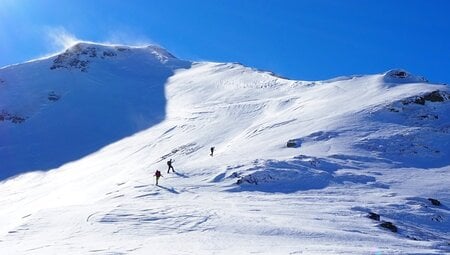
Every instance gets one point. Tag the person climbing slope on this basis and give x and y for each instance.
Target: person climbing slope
(169, 164)
(157, 175)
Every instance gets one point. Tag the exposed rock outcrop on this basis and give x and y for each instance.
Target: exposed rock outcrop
(373, 216)
(52, 96)
(434, 201)
(435, 96)
(389, 225)
(14, 118)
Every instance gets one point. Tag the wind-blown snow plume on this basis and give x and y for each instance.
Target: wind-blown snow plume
(60, 38)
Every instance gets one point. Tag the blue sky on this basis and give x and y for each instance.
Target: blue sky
(308, 40)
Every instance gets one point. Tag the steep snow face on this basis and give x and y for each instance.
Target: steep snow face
(357, 145)
(60, 109)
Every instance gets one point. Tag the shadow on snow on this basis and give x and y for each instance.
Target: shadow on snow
(103, 106)
(299, 174)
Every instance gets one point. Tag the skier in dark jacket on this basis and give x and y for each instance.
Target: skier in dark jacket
(169, 164)
(157, 175)
(212, 152)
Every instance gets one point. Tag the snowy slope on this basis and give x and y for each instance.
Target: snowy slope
(360, 144)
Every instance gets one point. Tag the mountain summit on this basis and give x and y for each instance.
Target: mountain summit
(311, 166)
(65, 107)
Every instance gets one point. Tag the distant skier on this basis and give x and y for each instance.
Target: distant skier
(157, 175)
(169, 164)
(212, 152)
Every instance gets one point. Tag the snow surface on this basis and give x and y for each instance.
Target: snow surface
(83, 132)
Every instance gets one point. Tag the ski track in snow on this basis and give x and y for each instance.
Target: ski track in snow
(361, 147)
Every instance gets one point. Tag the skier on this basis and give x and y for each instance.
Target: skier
(212, 151)
(157, 175)
(169, 164)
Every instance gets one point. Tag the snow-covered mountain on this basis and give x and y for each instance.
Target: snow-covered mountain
(298, 166)
(65, 107)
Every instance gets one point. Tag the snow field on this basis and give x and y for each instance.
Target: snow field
(356, 156)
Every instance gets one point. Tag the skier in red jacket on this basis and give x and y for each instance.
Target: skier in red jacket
(157, 175)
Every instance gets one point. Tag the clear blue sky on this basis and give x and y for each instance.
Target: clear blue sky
(309, 40)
